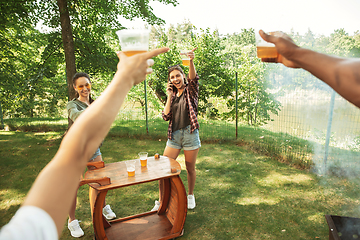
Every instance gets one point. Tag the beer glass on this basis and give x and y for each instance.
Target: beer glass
(264, 49)
(134, 41)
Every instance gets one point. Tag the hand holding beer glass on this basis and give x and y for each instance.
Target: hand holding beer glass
(133, 41)
(264, 49)
(186, 56)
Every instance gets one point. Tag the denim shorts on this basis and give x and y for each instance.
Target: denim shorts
(183, 139)
(97, 153)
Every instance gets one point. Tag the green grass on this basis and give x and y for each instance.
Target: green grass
(242, 189)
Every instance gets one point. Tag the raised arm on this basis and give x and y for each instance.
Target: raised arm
(342, 74)
(192, 70)
(52, 191)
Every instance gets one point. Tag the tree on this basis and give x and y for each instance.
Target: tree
(84, 37)
(158, 80)
(215, 80)
(254, 102)
(87, 41)
(233, 46)
(341, 44)
(25, 62)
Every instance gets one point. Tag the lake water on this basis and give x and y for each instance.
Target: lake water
(309, 119)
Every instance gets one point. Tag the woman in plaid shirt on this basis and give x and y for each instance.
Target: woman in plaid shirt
(181, 111)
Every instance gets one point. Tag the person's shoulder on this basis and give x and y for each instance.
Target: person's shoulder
(30, 222)
(72, 103)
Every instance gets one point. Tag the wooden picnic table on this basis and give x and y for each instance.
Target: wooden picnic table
(165, 223)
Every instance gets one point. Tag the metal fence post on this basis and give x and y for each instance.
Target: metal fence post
(236, 103)
(1, 116)
(328, 131)
(146, 109)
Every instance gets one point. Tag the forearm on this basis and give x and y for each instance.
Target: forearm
(192, 70)
(167, 107)
(342, 74)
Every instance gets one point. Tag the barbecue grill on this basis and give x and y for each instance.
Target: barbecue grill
(343, 228)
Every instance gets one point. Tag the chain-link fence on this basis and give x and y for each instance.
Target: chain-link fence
(329, 122)
(319, 116)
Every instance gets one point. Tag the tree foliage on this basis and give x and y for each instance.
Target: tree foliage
(215, 80)
(32, 62)
(254, 102)
(34, 76)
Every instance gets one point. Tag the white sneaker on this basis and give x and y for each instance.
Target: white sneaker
(75, 228)
(108, 213)
(157, 206)
(191, 201)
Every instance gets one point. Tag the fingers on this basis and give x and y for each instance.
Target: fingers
(191, 51)
(270, 60)
(150, 62)
(147, 55)
(156, 52)
(267, 37)
(120, 54)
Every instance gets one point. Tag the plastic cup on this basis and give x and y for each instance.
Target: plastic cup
(143, 158)
(185, 58)
(130, 167)
(134, 41)
(264, 49)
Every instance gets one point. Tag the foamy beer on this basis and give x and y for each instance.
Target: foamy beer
(264, 49)
(185, 58)
(133, 41)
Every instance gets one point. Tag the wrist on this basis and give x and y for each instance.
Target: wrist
(124, 81)
(301, 56)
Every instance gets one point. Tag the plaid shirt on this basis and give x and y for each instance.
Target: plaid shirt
(191, 94)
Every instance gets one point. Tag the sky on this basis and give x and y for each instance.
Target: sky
(322, 17)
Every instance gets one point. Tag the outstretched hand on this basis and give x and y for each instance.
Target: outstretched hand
(285, 46)
(138, 66)
(190, 54)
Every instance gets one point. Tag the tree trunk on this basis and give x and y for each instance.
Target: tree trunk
(161, 95)
(68, 42)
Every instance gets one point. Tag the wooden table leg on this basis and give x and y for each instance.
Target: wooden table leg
(174, 203)
(165, 186)
(179, 221)
(97, 200)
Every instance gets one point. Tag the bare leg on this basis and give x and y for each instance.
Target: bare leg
(190, 160)
(72, 210)
(98, 159)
